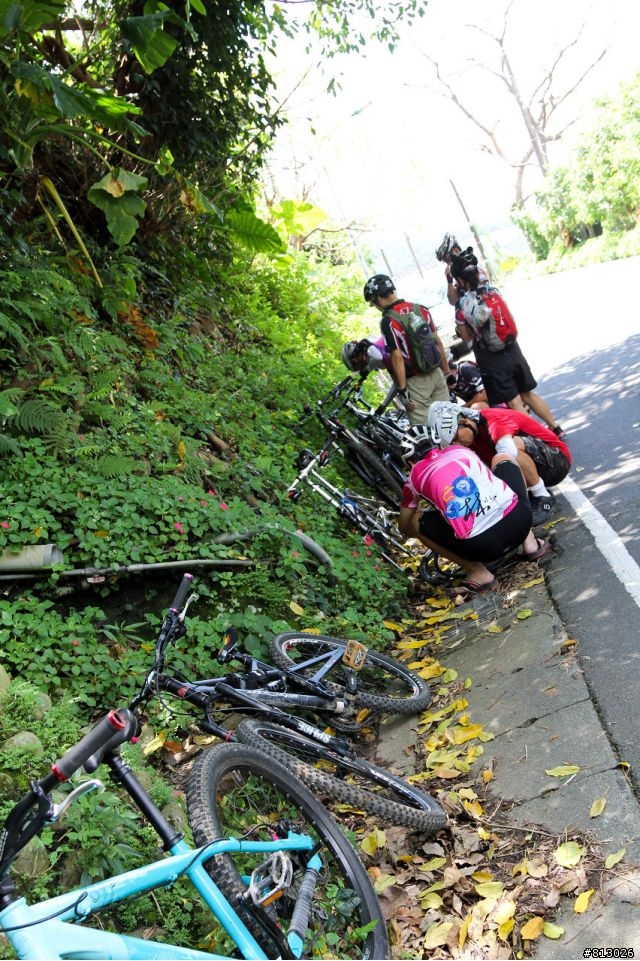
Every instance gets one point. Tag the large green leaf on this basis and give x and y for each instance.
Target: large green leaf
(28, 16)
(253, 233)
(115, 196)
(149, 42)
(51, 98)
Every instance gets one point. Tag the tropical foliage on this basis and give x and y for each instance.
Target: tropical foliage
(598, 190)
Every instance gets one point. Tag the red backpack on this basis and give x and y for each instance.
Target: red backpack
(492, 321)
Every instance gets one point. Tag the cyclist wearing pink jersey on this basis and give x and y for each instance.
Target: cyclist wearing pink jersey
(478, 514)
(543, 457)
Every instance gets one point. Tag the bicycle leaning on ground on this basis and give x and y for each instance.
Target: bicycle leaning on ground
(272, 867)
(360, 450)
(317, 674)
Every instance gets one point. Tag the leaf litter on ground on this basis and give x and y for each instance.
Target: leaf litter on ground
(481, 888)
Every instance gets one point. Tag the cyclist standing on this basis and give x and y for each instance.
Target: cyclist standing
(416, 389)
(484, 320)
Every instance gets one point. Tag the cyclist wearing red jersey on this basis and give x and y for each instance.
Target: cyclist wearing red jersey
(484, 320)
(543, 457)
(416, 390)
(480, 513)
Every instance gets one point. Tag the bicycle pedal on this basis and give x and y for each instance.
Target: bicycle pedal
(270, 880)
(355, 654)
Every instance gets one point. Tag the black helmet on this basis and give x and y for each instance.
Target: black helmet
(464, 264)
(378, 286)
(447, 245)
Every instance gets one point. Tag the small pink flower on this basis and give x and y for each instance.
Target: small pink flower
(224, 507)
(203, 502)
(295, 554)
(355, 553)
(5, 524)
(368, 553)
(211, 490)
(178, 526)
(75, 642)
(376, 567)
(368, 539)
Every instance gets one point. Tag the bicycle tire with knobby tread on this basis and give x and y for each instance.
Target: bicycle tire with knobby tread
(379, 476)
(400, 804)
(232, 791)
(382, 673)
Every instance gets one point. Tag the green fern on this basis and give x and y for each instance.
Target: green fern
(9, 446)
(12, 331)
(60, 440)
(116, 465)
(37, 416)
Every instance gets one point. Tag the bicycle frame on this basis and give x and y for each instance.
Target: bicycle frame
(38, 932)
(366, 513)
(34, 929)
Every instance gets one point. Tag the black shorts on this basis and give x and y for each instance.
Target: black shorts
(551, 464)
(506, 535)
(505, 374)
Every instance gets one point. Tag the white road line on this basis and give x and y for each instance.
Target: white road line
(607, 541)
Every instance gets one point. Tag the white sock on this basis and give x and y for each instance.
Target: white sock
(539, 490)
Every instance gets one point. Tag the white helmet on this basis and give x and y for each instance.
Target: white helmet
(416, 443)
(442, 421)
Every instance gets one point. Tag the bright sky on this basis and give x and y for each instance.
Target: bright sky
(382, 152)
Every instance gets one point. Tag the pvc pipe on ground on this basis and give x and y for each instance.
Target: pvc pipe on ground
(32, 558)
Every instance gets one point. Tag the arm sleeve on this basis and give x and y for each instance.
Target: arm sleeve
(506, 445)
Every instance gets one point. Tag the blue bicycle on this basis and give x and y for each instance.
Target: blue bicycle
(288, 884)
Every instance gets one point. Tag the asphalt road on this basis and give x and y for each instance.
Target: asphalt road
(580, 333)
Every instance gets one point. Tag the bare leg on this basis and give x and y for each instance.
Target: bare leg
(539, 407)
(476, 571)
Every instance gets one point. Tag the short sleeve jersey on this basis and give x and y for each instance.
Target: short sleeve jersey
(468, 495)
(394, 335)
(501, 422)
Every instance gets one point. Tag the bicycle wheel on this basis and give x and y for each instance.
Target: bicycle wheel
(404, 691)
(373, 471)
(234, 792)
(352, 780)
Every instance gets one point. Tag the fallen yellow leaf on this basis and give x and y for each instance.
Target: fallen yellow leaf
(523, 614)
(582, 901)
(568, 854)
(552, 930)
(597, 807)
(391, 626)
(615, 857)
(296, 608)
(437, 935)
(532, 929)
(564, 770)
(373, 842)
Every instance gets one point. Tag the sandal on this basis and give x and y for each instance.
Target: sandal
(543, 548)
(468, 588)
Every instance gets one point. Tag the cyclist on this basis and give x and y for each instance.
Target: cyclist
(416, 390)
(478, 514)
(447, 249)
(366, 355)
(543, 457)
(465, 383)
(484, 320)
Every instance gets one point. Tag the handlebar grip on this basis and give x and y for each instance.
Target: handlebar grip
(183, 590)
(113, 729)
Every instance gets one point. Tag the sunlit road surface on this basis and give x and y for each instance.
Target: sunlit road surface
(580, 332)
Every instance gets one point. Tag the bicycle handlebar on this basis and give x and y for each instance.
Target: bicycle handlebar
(113, 729)
(181, 593)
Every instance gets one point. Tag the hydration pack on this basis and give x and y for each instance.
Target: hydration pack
(425, 353)
(490, 319)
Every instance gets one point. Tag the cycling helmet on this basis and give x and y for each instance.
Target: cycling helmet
(378, 286)
(416, 443)
(350, 350)
(447, 245)
(464, 264)
(442, 421)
